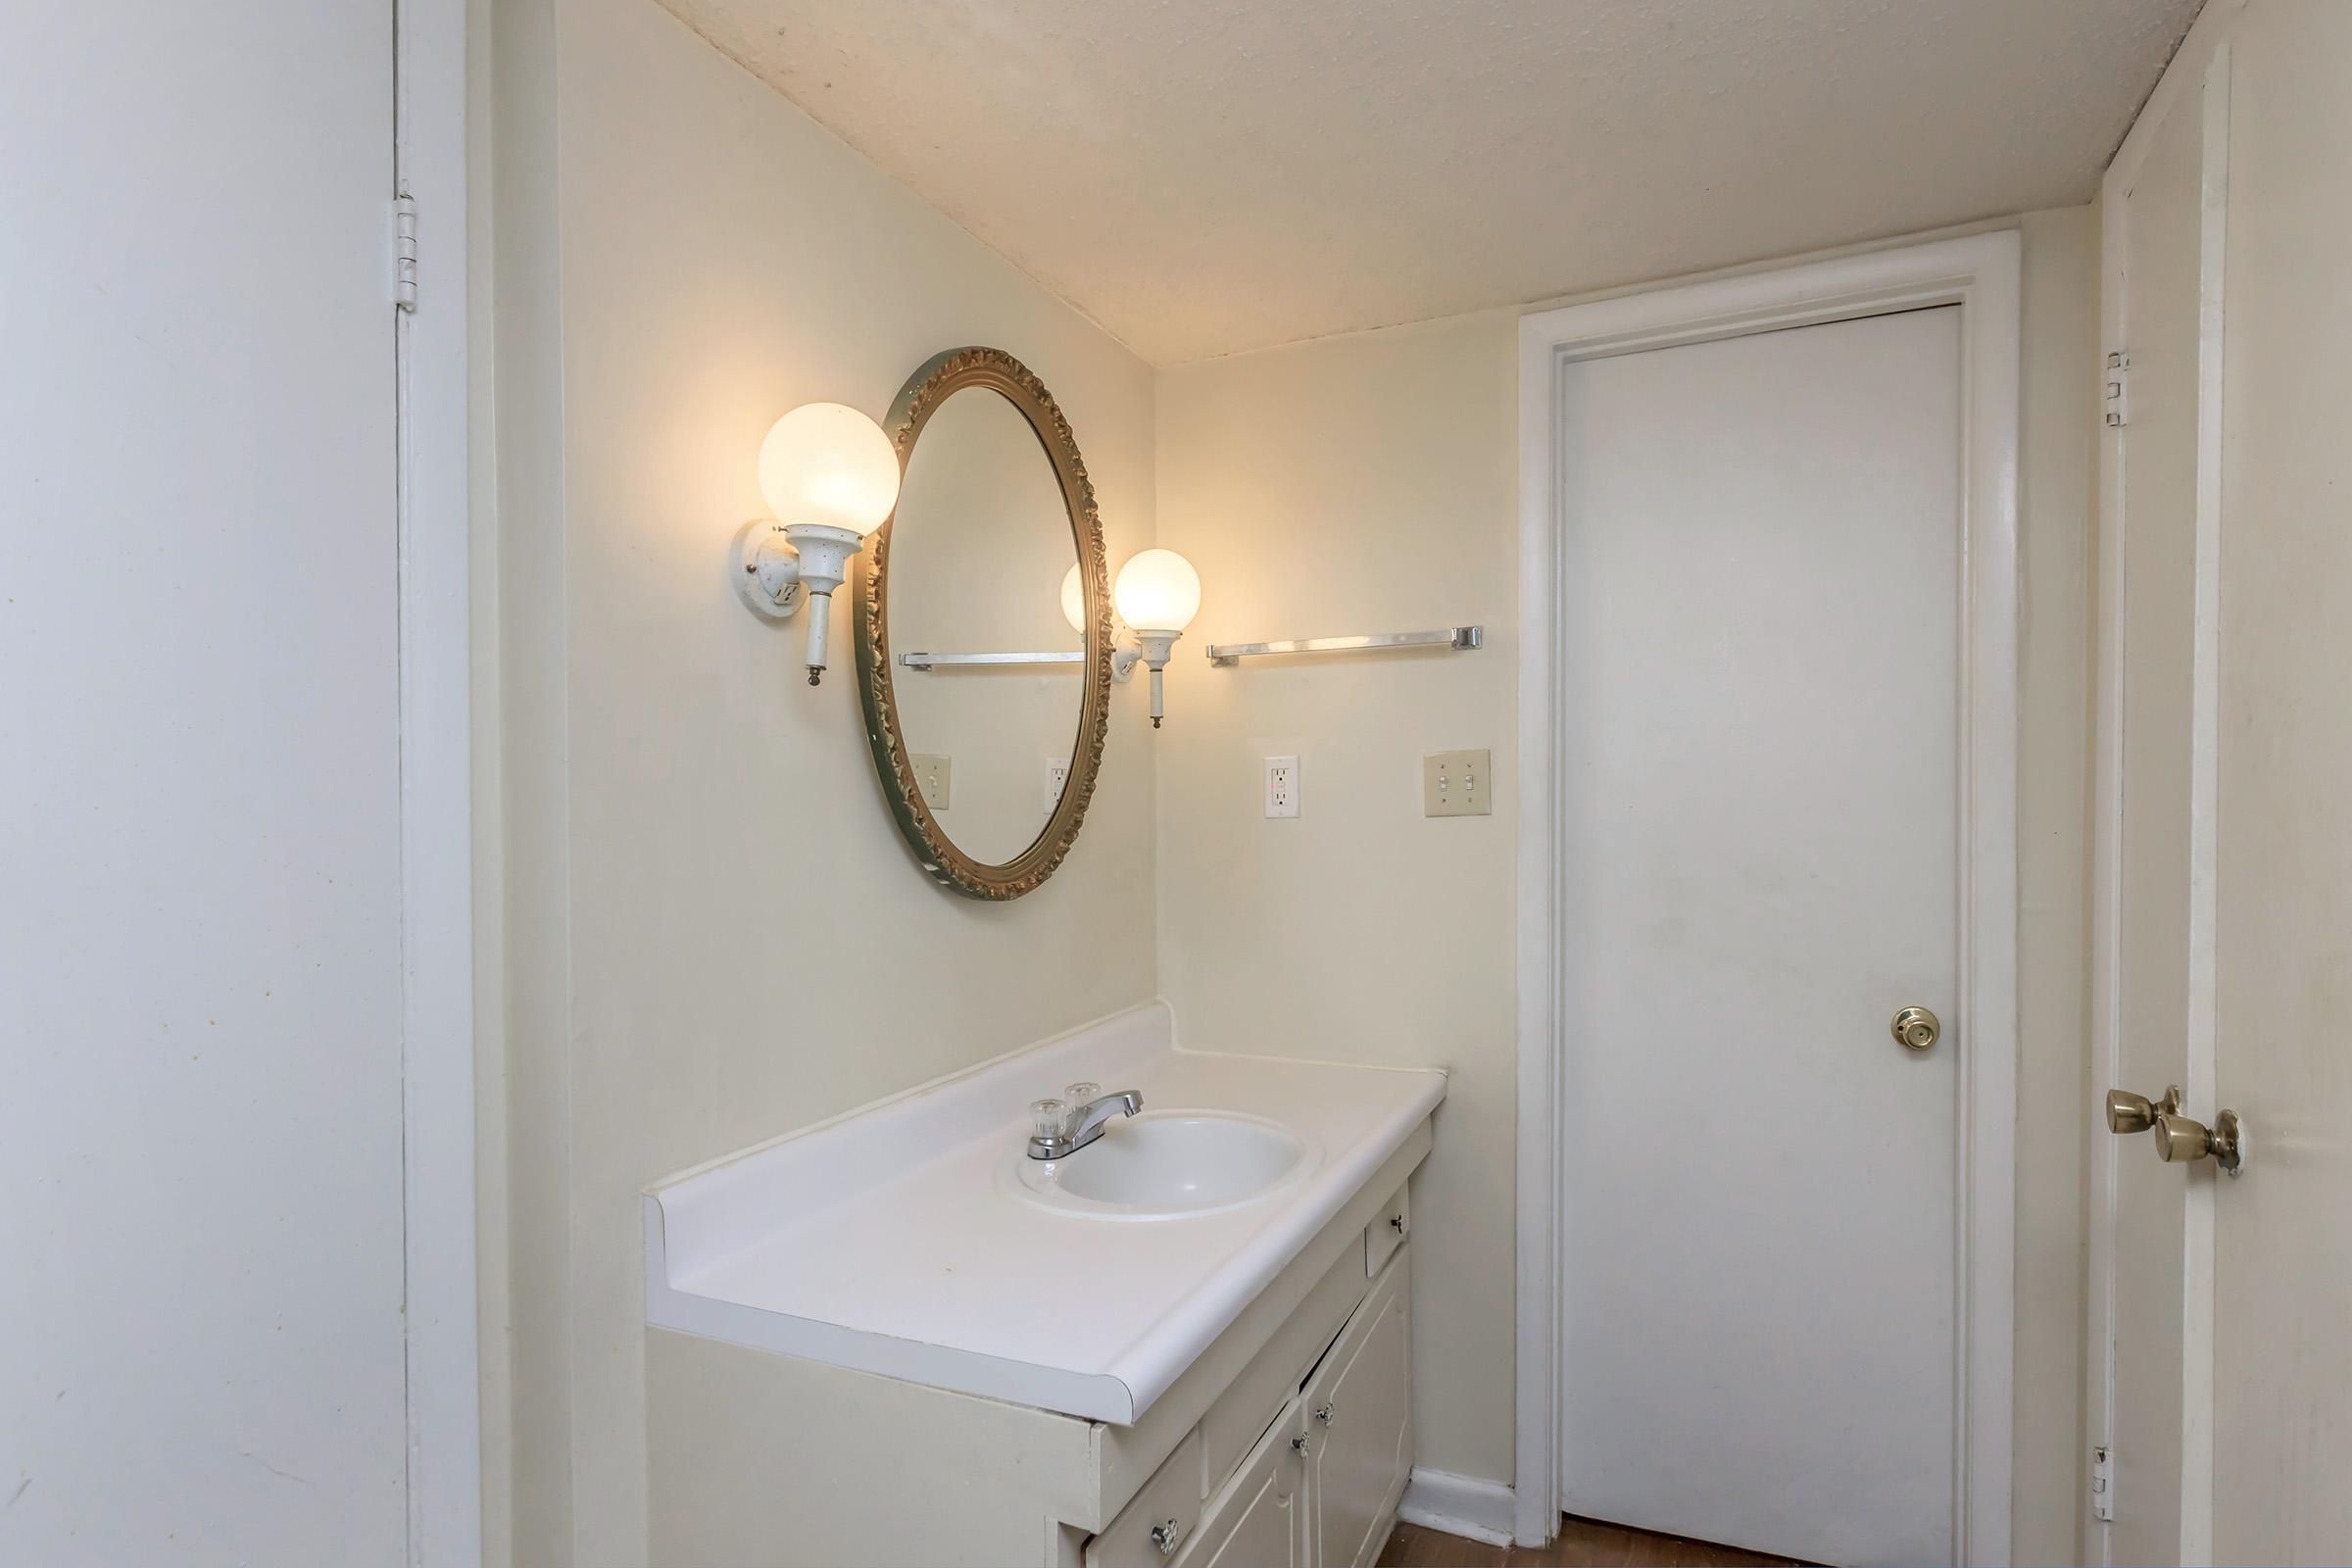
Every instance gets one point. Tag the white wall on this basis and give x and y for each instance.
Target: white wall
(201, 1334)
(714, 932)
(1368, 483)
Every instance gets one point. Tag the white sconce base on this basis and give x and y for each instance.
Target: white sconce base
(824, 554)
(780, 566)
(767, 571)
(1157, 648)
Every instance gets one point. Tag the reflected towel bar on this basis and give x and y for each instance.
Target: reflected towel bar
(1454, 637)
(927, 661)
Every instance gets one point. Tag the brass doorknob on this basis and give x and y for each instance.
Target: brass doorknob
(1916, 1029)
(2178, 1139)
(2128, 1112)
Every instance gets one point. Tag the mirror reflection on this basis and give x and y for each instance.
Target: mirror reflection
(980, 548)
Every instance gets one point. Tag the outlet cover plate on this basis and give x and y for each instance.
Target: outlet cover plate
(934, 777)
(1457, 784)
(1057, 779)
(1282, 786)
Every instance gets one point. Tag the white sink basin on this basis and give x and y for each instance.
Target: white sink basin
(1168, 1164)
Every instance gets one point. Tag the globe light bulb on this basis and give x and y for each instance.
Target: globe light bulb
(1073, 601)
(1158, 591)
(828, 466)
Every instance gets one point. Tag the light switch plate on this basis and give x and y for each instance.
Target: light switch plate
(1282, 786)
(1057, 778)
(1457, 784)
(934, 776)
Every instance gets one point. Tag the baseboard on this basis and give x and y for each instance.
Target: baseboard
(1459, 1505)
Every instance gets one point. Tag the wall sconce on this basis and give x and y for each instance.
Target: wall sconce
(831, 477)
(1125, 652)
(1158, 584)
(1158, 593)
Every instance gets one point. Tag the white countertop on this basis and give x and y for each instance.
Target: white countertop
(885, 1240)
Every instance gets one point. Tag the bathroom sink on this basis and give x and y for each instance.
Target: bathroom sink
(1169, 1164)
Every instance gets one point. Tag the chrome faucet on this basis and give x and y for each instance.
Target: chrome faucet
(1067, 1125)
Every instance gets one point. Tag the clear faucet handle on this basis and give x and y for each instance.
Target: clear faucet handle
(1047, 1118)
(1081, 1093)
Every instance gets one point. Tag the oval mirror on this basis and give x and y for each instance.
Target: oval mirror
(984, 704)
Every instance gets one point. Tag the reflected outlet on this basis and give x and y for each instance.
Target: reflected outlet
(934, 777)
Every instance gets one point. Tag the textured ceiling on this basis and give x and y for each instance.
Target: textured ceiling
(1203, 176)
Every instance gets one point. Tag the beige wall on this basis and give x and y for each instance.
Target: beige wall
(1369, 483)
(2059, 393)
(1364, 483)
(712, 931)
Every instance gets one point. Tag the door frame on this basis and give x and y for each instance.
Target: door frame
(438, 1210)
(1980, 273)
(2200, 65)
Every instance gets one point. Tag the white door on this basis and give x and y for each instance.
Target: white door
(1760, 548)
(2232, 928)
(200, 986)
(2282, 1258)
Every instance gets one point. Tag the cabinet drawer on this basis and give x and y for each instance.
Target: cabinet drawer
(1169, 1504)
(1387, 1232)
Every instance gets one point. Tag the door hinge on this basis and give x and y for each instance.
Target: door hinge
(403, 252)
(2119, 389)
(2102, 1483)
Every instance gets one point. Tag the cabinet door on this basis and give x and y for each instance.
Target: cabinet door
(1358, 1421)
(1260, 1520)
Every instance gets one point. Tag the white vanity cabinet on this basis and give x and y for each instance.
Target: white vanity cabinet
(1320, 1487)
(866, 1342)
(1358, 1426)
(1260, 1521)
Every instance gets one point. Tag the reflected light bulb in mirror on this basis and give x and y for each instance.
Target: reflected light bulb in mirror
(1158, 594)
(1158, 591)
(831, 477)
(1073, 601)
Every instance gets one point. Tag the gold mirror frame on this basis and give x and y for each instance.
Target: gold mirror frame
(942, 377)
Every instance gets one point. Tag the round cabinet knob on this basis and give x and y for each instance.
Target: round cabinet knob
(1917, 1029)
(1165, 1536)
(1323, 1412)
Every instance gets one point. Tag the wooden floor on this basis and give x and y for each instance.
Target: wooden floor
(1581, 1543)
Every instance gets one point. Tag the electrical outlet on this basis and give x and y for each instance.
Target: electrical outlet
(934, 777)
(1057, 778)
(1282, 786)
(1456, 784)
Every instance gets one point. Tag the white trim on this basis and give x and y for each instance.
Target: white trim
(1979, 274)
(2191, 65)
(2204, 814)
(1459, 1505)
(2106, 874)
(437, 848)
